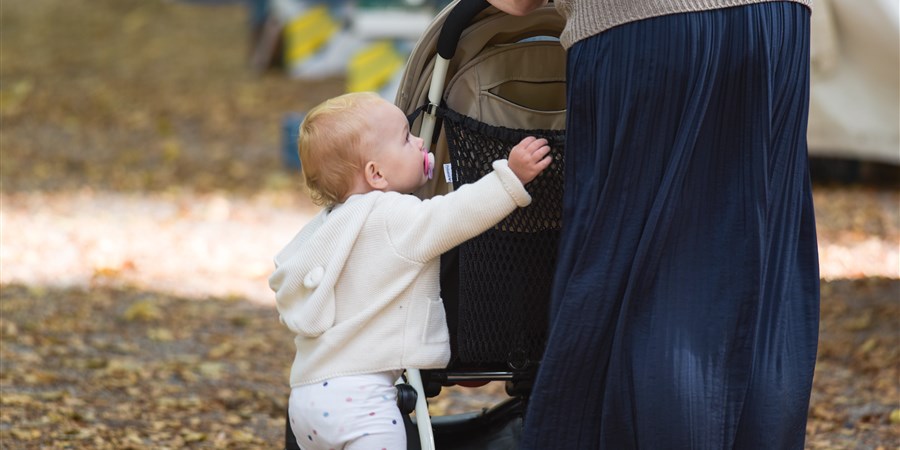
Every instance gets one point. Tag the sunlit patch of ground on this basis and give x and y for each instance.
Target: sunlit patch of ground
(193, 245)
(219, 244)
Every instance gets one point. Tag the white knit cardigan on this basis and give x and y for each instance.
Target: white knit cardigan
(359, 285)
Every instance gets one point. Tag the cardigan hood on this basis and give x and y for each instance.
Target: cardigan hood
(308, 267)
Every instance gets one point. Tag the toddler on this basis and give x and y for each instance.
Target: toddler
(359, 285)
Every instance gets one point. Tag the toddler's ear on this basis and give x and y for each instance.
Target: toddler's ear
(373, 175)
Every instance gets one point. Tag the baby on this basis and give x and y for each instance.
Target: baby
(359, 285)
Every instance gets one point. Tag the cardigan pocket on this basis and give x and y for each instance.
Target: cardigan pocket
(435, 326)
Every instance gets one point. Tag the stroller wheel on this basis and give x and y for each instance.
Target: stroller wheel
(406, 398)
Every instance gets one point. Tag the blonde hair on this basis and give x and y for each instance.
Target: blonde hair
(329, 146)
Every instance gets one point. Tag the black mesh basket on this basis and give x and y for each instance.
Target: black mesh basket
(496, 287)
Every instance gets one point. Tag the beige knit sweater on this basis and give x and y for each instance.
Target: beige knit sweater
(359, 285)
(585, 18)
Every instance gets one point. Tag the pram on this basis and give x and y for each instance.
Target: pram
(506, 81)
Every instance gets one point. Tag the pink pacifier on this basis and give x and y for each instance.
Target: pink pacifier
(428, 163)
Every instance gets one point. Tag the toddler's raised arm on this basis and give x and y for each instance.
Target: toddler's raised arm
(423, 229)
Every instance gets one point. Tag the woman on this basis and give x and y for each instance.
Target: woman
(685, 304)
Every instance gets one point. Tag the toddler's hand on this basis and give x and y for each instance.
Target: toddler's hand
(529, 157)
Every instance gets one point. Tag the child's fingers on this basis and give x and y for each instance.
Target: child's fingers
(541, 152)
(535, 144)
(544, 163)
(525, 143)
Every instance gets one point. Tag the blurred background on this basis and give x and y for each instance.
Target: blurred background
(147, 177)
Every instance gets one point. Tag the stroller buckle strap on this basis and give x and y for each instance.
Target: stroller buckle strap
(431, 109)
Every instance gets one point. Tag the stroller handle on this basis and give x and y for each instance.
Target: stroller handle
(457, 20)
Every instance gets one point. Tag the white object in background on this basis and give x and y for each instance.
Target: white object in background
(286, 10)
(331, 59)
(854, 74)
(391, 23)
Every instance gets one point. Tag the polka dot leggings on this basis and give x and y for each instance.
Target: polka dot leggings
(357, 412)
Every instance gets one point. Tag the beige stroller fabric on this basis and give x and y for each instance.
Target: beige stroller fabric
(493, 88)
(855, 80)
(515, 86)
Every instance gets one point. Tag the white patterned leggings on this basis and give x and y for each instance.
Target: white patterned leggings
(357, 412)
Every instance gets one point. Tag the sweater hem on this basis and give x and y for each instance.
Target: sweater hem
(584, 24)
(318, 379)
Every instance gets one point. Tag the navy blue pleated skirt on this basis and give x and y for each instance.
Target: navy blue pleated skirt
(685, 304)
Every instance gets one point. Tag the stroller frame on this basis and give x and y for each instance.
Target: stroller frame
(454, 21)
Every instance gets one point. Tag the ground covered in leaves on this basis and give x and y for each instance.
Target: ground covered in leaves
(121, 368)
(142, 198)
(137, 95)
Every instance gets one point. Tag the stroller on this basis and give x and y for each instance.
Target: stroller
(506, 81)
